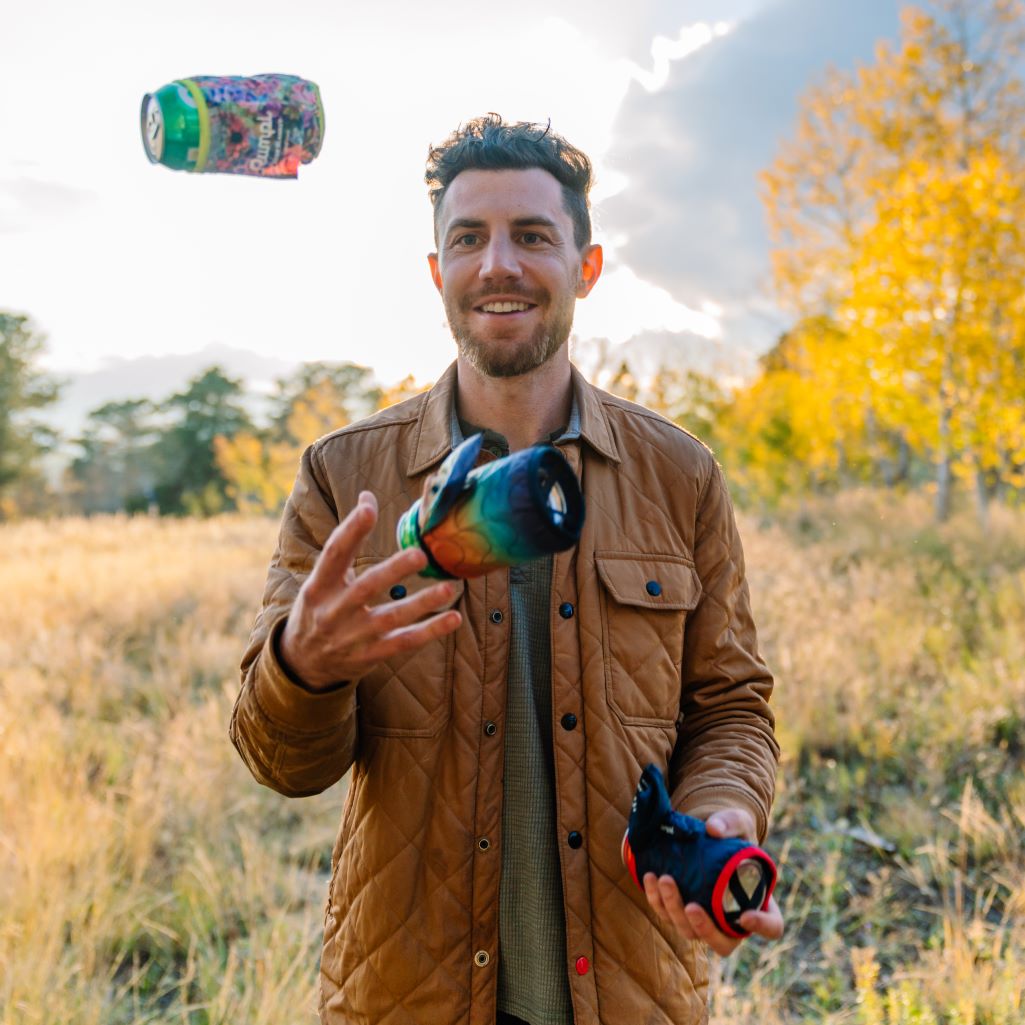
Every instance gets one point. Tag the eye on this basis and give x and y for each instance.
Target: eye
(531, 238)
(469, 239)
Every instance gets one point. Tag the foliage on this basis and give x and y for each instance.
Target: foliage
(309, 402)
(259, 466)
(896, 216)
(114, 470)
(23, 391)
(199, 452)
(695, 401)
(188, 478)
(407, 388)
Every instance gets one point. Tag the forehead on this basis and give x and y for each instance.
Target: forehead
(500, 196)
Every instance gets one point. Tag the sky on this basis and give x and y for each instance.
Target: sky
(679, 104)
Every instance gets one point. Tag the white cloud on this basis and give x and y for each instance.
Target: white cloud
(664, 50)
(623, 305)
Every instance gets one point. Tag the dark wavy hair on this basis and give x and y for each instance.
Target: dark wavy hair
(490, 144)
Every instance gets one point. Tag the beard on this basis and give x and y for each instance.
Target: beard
(495, 358)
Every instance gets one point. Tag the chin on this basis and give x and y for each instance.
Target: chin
(500, 360)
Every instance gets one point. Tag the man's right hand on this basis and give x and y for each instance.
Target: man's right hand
(334, 632)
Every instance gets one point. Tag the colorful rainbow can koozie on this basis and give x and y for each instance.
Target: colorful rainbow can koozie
(471, 521)
(264, 126)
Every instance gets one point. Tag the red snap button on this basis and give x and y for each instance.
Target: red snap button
(582, 965)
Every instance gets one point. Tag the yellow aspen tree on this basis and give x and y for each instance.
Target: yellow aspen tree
(796, 428)
(894, 212)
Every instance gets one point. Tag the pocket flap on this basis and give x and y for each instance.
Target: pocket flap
(650, 581)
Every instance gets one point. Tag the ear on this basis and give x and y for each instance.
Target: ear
(432, 260)
(591, 262)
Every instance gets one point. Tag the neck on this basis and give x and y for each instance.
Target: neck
(524, 409)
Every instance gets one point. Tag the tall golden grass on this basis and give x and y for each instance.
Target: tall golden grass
(144, 876)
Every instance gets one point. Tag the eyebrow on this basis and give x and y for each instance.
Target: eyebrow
(534, 220)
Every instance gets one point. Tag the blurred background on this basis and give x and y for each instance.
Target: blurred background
(812, 213)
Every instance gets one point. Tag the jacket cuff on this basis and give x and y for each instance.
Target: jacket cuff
(288, 702)
(704, 803)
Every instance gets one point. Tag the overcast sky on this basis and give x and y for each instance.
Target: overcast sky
(679, 104)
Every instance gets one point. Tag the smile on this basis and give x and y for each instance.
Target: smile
(504, 307)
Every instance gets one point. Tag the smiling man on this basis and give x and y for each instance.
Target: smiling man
(488, 292)
(496, 729)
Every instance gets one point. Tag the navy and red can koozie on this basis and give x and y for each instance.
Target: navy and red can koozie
(726, 876)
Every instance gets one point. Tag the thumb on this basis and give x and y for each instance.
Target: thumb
(731, 822)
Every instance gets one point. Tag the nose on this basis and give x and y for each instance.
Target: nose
(499, 260)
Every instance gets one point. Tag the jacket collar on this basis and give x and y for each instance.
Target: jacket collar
(434, 434)
(594, 422)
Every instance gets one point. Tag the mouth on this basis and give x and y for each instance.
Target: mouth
(504, 307)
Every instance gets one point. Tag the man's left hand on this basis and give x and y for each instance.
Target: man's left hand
(692, 920)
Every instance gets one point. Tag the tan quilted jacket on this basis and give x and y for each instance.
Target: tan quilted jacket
(411, 925)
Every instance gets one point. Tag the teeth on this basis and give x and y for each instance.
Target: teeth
(505, 307)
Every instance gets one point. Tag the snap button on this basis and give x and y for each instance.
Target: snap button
(566, 610)
(575, 840)
(569, 721)
(582, 965)
(654, 588)
(490, 728)
(397, 592)
(481, 958)
(496, 616)
(483, 843)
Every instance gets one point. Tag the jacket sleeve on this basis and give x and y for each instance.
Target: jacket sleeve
(726, 754)
(293, 739)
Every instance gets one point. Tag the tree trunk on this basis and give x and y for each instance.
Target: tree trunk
(943, 467)
(944, 457)
(943, 489)
(903, 459)
(981, 496)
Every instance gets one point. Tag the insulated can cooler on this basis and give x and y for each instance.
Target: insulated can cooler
(265, 126)
(474, 519)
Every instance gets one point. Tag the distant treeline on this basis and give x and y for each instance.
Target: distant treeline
(199, 451)
(196, 452)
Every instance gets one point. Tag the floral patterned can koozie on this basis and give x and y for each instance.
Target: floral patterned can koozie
(264, 126)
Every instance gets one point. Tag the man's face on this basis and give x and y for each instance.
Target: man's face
(508, 270)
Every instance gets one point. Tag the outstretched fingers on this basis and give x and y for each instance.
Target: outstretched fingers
(407, 611)
(409, 637)
(375, 582)
(369, 624)
(339, 552)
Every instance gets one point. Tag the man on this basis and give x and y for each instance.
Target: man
(496, 728)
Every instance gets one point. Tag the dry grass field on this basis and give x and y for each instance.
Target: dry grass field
(144, 877)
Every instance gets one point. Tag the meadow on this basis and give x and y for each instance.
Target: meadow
(144, 876)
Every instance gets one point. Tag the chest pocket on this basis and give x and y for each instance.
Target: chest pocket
(644, 604)
(410, 694)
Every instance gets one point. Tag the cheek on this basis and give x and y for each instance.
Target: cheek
(456, 277)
